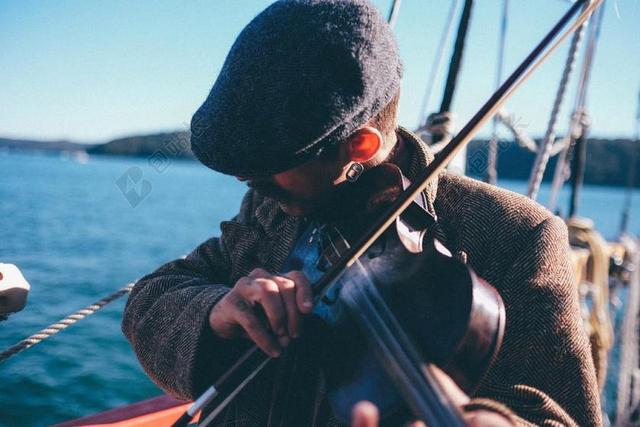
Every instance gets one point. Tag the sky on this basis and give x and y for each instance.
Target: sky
(90, 71)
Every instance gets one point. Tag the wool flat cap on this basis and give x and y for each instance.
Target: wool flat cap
(300, 77)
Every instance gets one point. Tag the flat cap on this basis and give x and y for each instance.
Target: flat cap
(300, 77)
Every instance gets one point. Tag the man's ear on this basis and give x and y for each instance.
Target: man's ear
(363, 144)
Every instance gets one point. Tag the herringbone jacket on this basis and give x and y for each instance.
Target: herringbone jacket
(543, 373)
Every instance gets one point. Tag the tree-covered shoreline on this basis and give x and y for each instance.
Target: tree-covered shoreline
(608, 160)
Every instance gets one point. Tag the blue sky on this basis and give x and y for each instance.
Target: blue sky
(90, 70)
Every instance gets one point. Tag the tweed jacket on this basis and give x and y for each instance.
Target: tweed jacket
(543, 374)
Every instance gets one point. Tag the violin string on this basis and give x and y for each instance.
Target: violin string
(368, 307)
(377, 319)
(399, 356)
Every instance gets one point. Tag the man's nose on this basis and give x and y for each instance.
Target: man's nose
(242, 178)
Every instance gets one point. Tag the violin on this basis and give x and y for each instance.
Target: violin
(372, 277)
(405, 302)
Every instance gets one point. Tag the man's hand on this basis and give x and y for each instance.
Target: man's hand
(365, 414)
(267, 308)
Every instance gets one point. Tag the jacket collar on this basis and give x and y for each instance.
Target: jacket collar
(421, 156)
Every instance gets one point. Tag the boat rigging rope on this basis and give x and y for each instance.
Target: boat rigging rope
(593, 284)
(437, 63)
(631, 176)
(562, 170)
(393, 14)
(511, 122)
(544, 150)
(441, 121)
(439, 126)
(492, 154)
(629, 372)
(579, 119)
(63, 324)
(456, 58)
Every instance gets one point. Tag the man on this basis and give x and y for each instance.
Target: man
(306, 100)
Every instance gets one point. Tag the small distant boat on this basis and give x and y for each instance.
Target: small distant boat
(81, 157)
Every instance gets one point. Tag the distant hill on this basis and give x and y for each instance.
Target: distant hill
(170, 144)
(33, 145)
(608, 160)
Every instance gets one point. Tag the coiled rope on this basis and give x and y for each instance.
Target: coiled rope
(593, 283)
(63, 324)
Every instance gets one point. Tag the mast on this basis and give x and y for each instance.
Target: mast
(456, 59)
(393, 13)
(437, 63)
(459, 163)
(577, 171)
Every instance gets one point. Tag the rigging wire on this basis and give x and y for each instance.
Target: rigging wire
(437, 63)
(544, 150)
(512, 123)
(492, 154)
(578, 118)
(456, 58)
(393, 13)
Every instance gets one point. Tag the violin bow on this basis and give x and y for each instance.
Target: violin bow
(253, 361)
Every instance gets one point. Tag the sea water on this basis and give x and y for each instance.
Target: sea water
(79, 229)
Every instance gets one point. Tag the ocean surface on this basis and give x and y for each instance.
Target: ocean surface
(79, 229)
